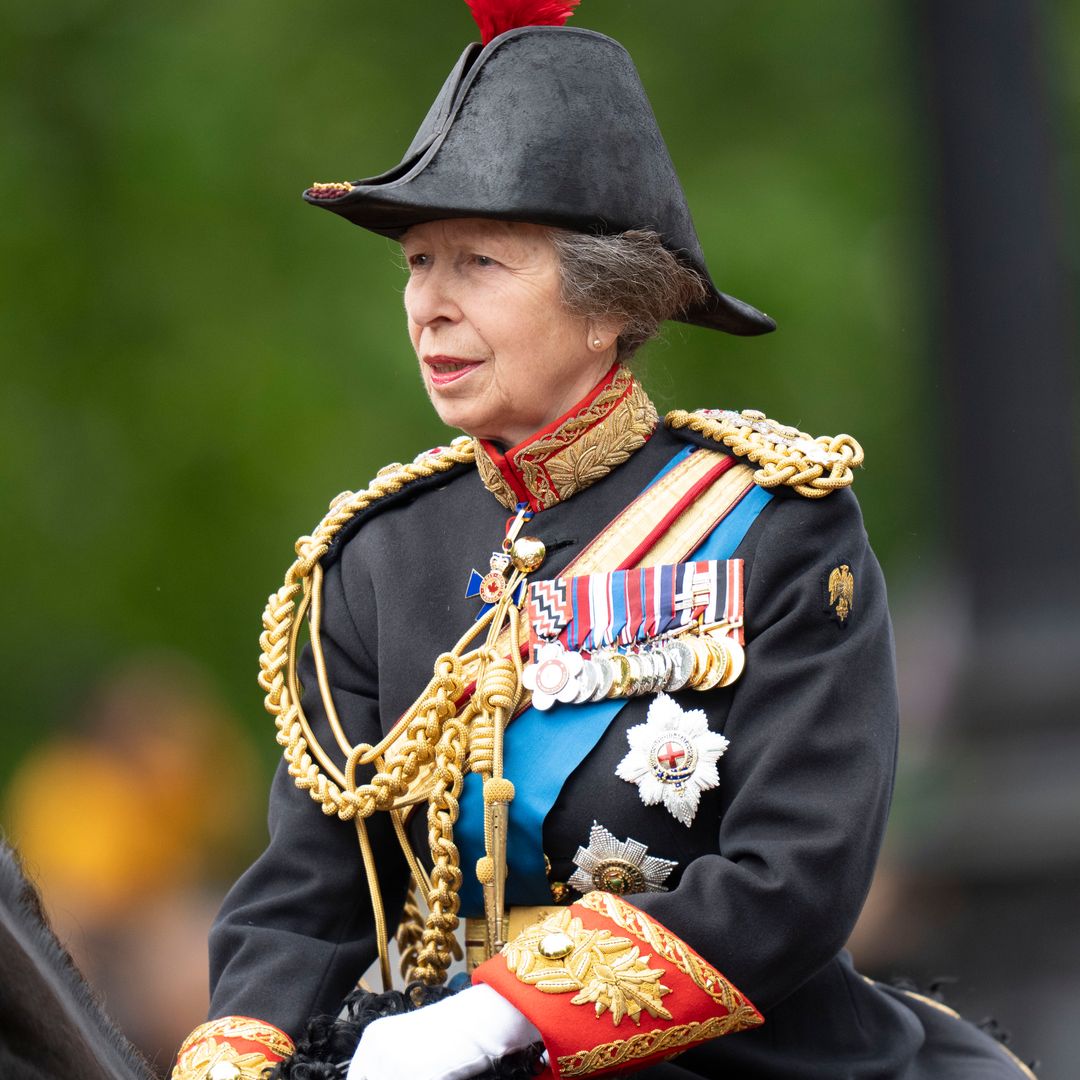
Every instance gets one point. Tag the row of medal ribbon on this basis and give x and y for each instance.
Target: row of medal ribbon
(702, 659)
(589, 612)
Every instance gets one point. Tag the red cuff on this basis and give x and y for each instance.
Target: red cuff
(234, 1047)
(610, 989)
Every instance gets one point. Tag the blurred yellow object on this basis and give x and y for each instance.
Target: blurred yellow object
(94, 834)
(124, 807)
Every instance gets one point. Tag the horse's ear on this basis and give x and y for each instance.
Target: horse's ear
(17, 887)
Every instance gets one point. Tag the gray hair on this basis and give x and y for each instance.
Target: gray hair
(627, 277)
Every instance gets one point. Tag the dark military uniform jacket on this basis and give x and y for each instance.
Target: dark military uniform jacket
(770, 875)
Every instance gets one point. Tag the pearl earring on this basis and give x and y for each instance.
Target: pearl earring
(596, 343)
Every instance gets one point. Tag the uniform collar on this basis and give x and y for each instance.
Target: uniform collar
(582, 446)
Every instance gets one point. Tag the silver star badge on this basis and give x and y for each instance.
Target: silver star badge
(672, 758)
(618, 866)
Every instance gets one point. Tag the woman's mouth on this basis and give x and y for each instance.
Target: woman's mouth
(443, 370)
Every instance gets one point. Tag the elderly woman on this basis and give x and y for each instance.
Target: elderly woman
(645, 752)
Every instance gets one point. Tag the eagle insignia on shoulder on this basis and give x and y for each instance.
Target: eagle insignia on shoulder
(841, 591)
(785, 456)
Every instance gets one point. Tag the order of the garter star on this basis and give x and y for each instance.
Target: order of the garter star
(672, 757)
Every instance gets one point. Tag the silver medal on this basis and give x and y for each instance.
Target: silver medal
(605, 674)
(664, 668)
(682, 661)
(587, 681)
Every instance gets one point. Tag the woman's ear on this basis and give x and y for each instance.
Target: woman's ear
(603, 334)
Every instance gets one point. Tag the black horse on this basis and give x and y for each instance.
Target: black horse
(52, 1027)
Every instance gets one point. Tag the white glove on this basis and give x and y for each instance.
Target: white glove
(452, 1039)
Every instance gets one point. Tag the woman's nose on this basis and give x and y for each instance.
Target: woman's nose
(430, 297)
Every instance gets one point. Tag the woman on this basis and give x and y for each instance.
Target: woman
(672, 841)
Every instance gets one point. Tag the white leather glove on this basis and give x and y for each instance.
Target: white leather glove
(453, 1039)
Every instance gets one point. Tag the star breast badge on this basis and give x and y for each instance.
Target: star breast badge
(618, 866)
(672, 758)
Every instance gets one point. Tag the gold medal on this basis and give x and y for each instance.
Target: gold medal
(702, 659)
(717, 665)
(622, 682)
(736, 655)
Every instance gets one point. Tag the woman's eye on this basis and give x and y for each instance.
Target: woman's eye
(484, 260)
(418, 261)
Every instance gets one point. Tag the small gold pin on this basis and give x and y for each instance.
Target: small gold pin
(842, 591)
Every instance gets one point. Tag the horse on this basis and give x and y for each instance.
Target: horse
(52, 1026)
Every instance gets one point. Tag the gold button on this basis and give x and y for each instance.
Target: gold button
(223, 1070)
(555, 946)
(528, 554)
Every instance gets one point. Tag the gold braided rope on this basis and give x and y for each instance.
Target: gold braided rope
(436, 944)
(409, 932)
(281, 621)
(787, 457)
(433, 733)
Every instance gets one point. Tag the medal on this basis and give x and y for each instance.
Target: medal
(682, 663)
(655, 629)
(618, 866)
(672, 758)
(588, 679)
(553, 676)
(635, 607)
(605, 677)
(525, 555)
(736, 660)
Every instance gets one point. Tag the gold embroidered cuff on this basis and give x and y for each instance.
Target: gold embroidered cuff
(610, 988)
(231, 1048)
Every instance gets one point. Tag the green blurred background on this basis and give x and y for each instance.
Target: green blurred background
(196, 362)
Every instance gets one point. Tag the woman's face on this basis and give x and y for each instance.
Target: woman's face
(499, 356)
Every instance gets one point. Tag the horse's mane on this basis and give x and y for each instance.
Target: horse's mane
(52, 1027)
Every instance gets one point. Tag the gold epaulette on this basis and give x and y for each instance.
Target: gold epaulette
(785, 456)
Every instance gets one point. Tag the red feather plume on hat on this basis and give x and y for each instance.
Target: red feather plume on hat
(495, 17)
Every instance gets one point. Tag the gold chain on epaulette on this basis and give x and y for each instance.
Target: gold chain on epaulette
(281, 622)
(433, 732)
(785, 456)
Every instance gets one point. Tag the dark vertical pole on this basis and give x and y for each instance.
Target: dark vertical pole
(1008, 357)
(1009, 845)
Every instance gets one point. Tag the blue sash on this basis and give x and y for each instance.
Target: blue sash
(542, 749)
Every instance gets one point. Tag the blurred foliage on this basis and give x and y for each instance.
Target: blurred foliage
(197, 361)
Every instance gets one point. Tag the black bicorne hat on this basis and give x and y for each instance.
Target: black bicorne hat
(550, 125)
